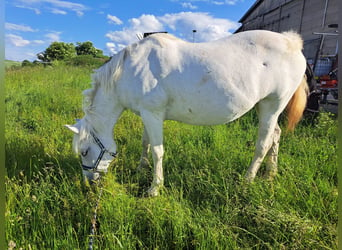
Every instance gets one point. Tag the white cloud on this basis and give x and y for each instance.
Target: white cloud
(113, 48)
(231, 2)
(218, 3)
(19, 54)
(76, 7)
(114, 20)
(53, 6)
(19, 48)
(53, 36)
(18, 27)
(28, 52)
(215, 2)
(38, 42)
(208, 28)
(79, 13)
(58, 11)
(127, 35)
(31, 54)
(181, 24)
(146, 23)
(36, 10)
(16, 40)
(189, 6)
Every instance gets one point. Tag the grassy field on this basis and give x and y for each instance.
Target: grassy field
(206, 203)
(9, 64)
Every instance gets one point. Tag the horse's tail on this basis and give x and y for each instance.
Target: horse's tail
(296, 106)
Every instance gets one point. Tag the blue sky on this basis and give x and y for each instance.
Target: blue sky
(31, 25)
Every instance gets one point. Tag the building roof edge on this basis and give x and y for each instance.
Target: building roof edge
(255, 5)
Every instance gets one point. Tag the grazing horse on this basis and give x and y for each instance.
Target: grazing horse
(165, 78)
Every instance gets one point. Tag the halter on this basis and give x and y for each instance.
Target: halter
(99, 158)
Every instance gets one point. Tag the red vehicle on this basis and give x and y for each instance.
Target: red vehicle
(328, 84)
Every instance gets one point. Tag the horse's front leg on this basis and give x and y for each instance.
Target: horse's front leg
(158, 177)
(154, 127)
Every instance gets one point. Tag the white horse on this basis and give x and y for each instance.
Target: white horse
(164, 78)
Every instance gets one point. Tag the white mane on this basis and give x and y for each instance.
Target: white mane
(105, 76)
(109, 73)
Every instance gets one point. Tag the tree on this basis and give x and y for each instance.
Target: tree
(87, 48)
(26, 63)
(58, 51)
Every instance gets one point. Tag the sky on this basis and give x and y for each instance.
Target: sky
(32, 25)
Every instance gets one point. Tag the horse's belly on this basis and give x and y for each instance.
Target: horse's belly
(204, 111)
(191, 117)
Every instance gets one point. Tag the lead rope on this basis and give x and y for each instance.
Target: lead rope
(93, 221)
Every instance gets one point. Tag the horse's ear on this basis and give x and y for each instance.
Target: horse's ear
(73, 128)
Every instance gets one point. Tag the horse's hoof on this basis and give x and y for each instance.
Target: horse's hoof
(249, 178)
(144, 164)
(270, 176)
(153, 191)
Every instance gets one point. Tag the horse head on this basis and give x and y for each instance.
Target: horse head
(96, 151)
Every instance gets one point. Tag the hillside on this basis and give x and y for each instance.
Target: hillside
(9, 63)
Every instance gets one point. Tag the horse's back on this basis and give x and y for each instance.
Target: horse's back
(215, 82)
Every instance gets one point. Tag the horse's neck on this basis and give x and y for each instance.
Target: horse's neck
(104, 113)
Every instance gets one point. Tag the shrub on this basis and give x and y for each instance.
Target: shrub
(26, 63)
(87, 60)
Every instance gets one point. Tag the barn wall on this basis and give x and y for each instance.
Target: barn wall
(303, 16)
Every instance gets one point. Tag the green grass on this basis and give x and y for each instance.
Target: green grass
(9, 64)
(206, 203)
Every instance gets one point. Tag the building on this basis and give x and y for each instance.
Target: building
(315, 20)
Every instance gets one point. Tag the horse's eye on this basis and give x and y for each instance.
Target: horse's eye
(84, 153)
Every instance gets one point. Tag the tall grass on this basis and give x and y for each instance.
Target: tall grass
(12, 64)
(206, 203)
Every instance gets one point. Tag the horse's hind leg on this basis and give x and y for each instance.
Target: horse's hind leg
(268, 118)
(272, 161)
(145, 149)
